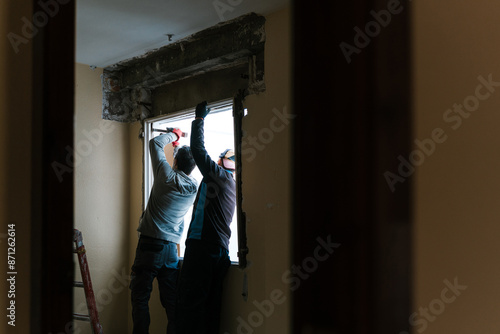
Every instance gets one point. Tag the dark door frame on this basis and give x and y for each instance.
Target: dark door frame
(357, 108)
(52, 206)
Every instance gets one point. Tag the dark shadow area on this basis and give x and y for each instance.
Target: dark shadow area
(357, 104)
(18, 161)
(53, 121)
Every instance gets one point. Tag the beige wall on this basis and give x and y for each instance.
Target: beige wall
(158, 317)
(266, 192)
(457, 188)
(102, 202)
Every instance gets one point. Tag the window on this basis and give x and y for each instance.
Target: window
(219, 135)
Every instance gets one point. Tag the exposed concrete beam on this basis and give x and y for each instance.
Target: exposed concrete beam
(127, 86)
(212, 86)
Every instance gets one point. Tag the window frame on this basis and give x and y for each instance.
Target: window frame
(174, 116)
(219, 106)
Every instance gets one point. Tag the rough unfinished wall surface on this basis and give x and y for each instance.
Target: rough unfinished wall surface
(127, 86)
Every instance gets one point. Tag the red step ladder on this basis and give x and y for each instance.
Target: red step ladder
(86, 284)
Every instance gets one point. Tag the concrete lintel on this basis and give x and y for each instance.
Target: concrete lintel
(212, 86)
(224, 45)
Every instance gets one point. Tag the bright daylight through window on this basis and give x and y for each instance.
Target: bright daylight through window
(219, 135)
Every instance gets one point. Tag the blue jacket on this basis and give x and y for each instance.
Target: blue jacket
(216, 199)
(171, 197)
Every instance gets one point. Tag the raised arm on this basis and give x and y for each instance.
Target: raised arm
(203, 161)
(205, 164)
(156, 149)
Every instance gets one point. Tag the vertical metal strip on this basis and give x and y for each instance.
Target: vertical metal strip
(238, 113)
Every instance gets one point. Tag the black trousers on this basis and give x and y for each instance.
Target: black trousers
(200, 288)
(154, 258)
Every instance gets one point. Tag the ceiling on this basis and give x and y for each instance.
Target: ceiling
(109, 31)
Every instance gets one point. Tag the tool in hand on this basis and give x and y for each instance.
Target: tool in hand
(167, 130)
(177, 131)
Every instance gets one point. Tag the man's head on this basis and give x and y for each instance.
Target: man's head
(183, 160)
(227, 160)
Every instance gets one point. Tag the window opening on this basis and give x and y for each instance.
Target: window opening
(219, 135)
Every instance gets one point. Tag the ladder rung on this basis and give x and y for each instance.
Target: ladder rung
(81, 317)
(92, 317)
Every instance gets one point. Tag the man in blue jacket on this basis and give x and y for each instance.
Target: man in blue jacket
(161, 226)
(206, 259)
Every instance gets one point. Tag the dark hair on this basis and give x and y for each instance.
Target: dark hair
(185, 161)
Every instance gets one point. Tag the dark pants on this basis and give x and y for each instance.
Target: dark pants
(200, 288)
(154, 258)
